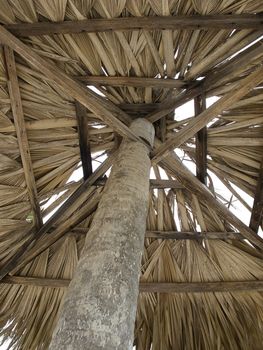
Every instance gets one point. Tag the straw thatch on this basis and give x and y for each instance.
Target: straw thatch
(223, 58)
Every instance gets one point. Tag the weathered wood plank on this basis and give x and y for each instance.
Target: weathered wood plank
(201, 287)
(20, 128)
(131, 23)
(201, 141)
(227, 101)
(257, 210)
(36, 281)
(152, 287)
(142, 109)
(102, 108)
(132, 81)
(84, 143)
(192, 235)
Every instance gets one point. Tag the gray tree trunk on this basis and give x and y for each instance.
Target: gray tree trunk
(100, 307)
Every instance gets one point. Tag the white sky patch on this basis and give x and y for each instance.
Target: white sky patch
(93, 88)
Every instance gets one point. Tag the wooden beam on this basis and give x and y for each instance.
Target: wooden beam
(174, 165)
(34, 237)
(20, 128)
(257, 210)
(152, 287)
(102, 108)
(193, 235)
(225, 102)
(132, 23)
(132, 81)
(202, 287)
(36, 281)
(201, 141)
(142, 109)
(84, 143)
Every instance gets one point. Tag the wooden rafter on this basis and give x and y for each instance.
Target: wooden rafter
(102, 108)
(193, 235)
(143, 109)
(257, 210)
(133, 23)
(201, 287)
(20, 128)
(36, 281)
(132, 81)
(201, 141)
(240, 90)
(84, 143)
(152, 287)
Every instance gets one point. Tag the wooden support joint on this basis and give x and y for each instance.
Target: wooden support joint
(195, 22)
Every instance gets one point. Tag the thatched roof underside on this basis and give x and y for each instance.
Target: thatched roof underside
(207, 320)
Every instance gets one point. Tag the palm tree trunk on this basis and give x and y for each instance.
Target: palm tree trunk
(100, 306)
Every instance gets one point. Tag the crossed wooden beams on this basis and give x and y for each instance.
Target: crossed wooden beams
(118, 119)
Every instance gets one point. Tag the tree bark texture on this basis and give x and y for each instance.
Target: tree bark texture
(100, 307)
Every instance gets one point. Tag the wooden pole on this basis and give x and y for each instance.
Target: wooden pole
(100, 307)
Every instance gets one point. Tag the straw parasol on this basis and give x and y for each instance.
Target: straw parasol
(201, 277)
